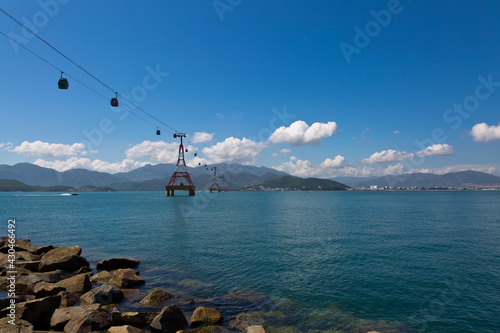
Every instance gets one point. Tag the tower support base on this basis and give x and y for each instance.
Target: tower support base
(170, 189)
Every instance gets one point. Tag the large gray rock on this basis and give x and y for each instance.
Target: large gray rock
(169, 320)
(76, 284)
(89, 321)
(62, 316)
(116, 263)
(205, 316)
(66, 258)
(156, 298)
(126, 278)
(138, 319)
(105, 294)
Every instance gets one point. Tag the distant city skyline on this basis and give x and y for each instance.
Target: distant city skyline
(316, 89)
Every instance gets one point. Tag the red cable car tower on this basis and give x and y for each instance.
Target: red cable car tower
(215, 185)
(180, 179)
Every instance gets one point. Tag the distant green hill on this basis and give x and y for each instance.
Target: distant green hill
(300, 184)
(9, 185)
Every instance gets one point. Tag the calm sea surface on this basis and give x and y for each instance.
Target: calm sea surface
(413, 261)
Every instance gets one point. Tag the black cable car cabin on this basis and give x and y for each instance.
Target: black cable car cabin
(114, 101)
(63, 82)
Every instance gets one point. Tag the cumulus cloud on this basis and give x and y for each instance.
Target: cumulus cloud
(304, 168)
(155, 151)
(299, 133)
(388, 156)
(484, 133)
(337, 167)
(95, 165)
(436, 149)
(45, 149)
(199, 137)
(234, 150)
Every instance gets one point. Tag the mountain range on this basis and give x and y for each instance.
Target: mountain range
(155, 177)
(466, 179)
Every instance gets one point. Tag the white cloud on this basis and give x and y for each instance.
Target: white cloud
(157, 151)
(304, 168)
(484, 133)
(396, 132)
(436, 149)
(234, 150)
(299, 133)
(45, 149)
(387, 156)
(219, 115)
(285, 151)
(199, 137)
(95, 165)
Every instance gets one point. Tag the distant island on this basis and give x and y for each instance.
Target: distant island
(291, 183)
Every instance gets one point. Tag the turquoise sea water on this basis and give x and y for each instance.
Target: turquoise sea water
(413, 261)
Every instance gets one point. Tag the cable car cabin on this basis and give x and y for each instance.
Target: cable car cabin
(63, 83)
(158, 132)
(114, 101)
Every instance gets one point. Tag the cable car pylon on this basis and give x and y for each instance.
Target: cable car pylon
(180, 179)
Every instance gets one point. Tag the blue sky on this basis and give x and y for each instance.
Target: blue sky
(317, 88)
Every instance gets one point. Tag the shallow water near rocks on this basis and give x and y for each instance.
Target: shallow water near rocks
(336, 261)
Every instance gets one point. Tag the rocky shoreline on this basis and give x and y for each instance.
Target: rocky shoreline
(49, 288)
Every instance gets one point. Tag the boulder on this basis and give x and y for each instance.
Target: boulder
(76, 284)
(26, 283)
(169, 320)
(156, 298)
(62, 316)
(205, 316)
(255, 329)
(66, 258)
(38, 311)
(29, 265)
(44, 249)
(53, 276)
(18, 247)
(28, 256)
(137, 319)
(89, 321)
(209, 329)
(125, 329)
(44, 289)
(103, 276)
(105, 294)
(116, 263)
(69, 298)
(20, 326)
(125, 278)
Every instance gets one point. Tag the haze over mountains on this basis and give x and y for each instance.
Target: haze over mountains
(155, 177)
